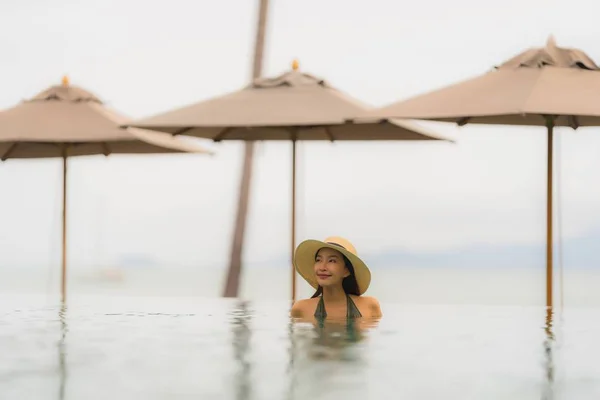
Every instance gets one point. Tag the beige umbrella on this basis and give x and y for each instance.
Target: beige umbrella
(293, 106)
(65, 121)
(548, 86)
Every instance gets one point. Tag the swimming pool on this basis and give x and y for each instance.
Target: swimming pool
(104, 347)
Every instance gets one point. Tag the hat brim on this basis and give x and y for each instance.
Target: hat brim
(304, 261)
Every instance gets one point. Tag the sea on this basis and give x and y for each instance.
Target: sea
(166, 333)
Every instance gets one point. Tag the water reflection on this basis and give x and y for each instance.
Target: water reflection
(330, 353)
(290, 367)
(333, 338)
(240, 321)
(549, 367)
(62, 364)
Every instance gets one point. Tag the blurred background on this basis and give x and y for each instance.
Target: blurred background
(421, 214)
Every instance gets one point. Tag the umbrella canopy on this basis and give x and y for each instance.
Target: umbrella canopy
(293, 106)
(69, 119)
(65, 121)
(560, 83)
(549, 86)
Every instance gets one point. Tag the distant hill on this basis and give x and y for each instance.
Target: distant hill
(582, 252)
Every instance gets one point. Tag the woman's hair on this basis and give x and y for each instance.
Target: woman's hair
(349, 283)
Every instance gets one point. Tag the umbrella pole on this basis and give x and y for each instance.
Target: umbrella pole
(64, 233)
(549, 252)
(293, 219)
(232, 281)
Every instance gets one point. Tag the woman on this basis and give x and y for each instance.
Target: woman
(340, 278)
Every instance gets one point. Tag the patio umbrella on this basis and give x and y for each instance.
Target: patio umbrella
(549, 86)
(293, 106)
(65, 121)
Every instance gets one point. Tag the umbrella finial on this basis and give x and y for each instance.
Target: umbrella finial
(65, 80)
(551, 42)
(295, 65)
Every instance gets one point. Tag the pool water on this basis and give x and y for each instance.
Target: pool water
(107, 347)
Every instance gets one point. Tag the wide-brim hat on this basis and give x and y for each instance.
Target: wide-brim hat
(304, 260)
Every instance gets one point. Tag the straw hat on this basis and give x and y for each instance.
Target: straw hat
(304, 260)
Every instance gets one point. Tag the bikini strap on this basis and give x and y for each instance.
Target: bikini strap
(320, 312)
(352, 311)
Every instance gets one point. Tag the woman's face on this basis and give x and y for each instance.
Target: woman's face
(330, 268)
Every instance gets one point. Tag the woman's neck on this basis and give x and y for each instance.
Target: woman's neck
(334, 294)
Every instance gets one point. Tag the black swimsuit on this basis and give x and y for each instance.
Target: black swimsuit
(351, 313)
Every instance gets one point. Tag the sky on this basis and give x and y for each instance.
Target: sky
(144, 58)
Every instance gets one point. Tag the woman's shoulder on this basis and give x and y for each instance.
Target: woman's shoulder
(364, 299)
(304, 306)
(368, 302)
